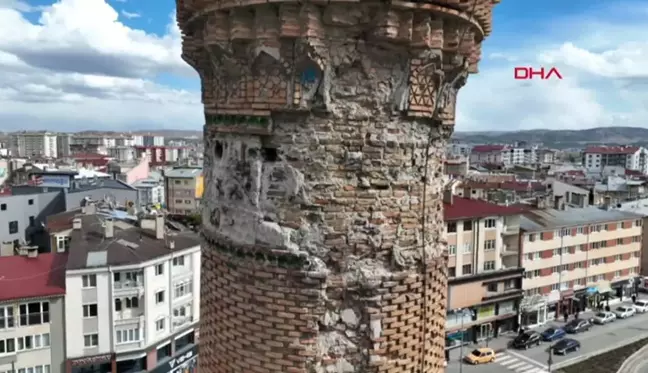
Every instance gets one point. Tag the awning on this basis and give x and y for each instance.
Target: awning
(604, 287)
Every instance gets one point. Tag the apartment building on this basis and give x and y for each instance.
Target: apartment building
(41, 144)
(484, 273)
(150, 192)
(577, 258)
(32, 289)
(133, 293)
(492, 154)
(183, 190)
(148, 140)
(596, 158)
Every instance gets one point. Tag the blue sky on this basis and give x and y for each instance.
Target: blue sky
(114, 64)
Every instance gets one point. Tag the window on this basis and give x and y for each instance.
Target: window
(89, 310)
(509, 284)
(89, 281)
(617, 274)
(603, 243)
(531, 292)
(13, 227)
(132, 302)
(159, 297)
(32, 221)
(565, 232)
(30, 202)
(528, 274)
(492, 287)
(91, 340)
(555, 287)
(557, 252)
(466, 269)
(7, 346)
(6, 317)
(451, 227)
(34, 313)
(31, 342)
(564, 268)
(489, 245)
(531, 237)
(490, 223)
(489, 265)
(467, 225)
(452, 249)
(598, 228)
(467, 248)
(637, 223)
(159, 325)
(159, 269)
(62, 243)
(182, 311)
(127, 336)
(178, 201)
(178, 261)
(580, 281)
(555, 269)
(636, 239)
(452, 271)
(595, 262)
(187, 201)
(580, 230)
(3, 207)
(617, 258)
(619, 241)
(596, 245)
(182, 289)
(118, 304)
(583, 247)
(176, 182)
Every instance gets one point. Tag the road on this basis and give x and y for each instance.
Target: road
(599, 339)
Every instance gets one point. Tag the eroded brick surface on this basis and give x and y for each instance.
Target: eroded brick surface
(322, 145)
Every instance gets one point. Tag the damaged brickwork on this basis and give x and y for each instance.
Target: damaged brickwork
(321, 145)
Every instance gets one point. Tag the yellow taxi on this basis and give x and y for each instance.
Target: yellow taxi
(480, 356)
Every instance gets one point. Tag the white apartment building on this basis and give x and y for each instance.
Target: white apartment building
(63, 142)
(133, 294)
(34, 144)
(148, 140)
(31, 313)
(596, 158)
(149, 191)
(576, 258)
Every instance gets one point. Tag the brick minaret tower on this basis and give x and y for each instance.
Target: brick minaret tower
(322, 146)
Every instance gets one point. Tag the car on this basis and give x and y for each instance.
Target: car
(641, 306)
(623, 312)
(565, 346)
(605, 317)
(480, 356)
(577, 326)
(527, 339)
(553, 334)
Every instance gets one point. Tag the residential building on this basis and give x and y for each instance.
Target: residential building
(595, 158)
(34, 144)
(150, 192)
(456, 167)
(484, 273)
(129, 171)
(566, 195)
(576, 258)
(613, 190)
(148, 140)
(640, 207)
(501, 192)
(546, 156)
(487, 154)
(183, 189)
(63, 142)
(22, 217)
(91, 143)
(32, 289)
(133, 292)
(456, 148)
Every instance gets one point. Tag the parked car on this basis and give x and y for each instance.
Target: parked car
(578, 326)
(602, 318)
(553, 334)
(480, 356)
(565, 346)
(623, 312)
(527, 339)
(641, 306)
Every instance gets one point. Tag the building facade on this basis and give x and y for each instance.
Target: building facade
(132, 302)
(22, 216)
(484, 273)
(183, 190)
(596, 158)
(34, 144)
(32, 313)
(575, 259)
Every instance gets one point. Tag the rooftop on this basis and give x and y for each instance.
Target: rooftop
(466, 208)
(611, 149)
(189, 173)
(488, 148)
(542, 220)
(25, 277)
(132, 241)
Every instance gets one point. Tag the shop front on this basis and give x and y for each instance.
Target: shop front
(105, 363)
(537, 310)
(623, 289)
(185, 360)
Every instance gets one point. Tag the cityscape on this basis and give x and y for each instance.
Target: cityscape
(341, 211)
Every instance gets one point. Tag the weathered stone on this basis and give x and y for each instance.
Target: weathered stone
(322, 205)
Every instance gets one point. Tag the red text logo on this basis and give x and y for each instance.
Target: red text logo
(528, 73)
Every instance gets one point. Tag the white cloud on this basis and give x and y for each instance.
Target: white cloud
(130, 15)
(80, 67)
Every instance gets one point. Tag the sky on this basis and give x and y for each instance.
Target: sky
(72, 65)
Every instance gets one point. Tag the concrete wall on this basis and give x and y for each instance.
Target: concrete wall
(20, 208)
(73, 199)
(138, 172)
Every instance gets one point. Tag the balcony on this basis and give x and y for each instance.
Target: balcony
(179, 321)
(510, 229)
(508, 251)
(129, 317)
(128, 289)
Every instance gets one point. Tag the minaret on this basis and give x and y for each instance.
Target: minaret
(322, 147)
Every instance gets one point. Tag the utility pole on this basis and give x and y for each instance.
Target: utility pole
(550, 359)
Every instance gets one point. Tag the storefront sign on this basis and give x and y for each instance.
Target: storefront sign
(486, 311)
(52, 181)
(91, 360)
(181, 363)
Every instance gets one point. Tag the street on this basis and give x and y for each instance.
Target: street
(597, 340)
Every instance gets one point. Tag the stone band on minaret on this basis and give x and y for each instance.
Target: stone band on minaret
(322, 146)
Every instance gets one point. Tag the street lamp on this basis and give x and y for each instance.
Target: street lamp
(463, 312)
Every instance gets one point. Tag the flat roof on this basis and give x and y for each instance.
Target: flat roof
(467, 208)
(546, 219)
(188, 173)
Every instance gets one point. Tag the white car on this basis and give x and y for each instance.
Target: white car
(641, 306)
(604, 318)
(623, 312)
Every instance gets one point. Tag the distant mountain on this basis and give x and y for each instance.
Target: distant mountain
(561, 139)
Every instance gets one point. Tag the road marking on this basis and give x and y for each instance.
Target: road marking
(528, 360)
(516, 365)
(525, 367)
(506, 359)
(508, 362)
(500, 354)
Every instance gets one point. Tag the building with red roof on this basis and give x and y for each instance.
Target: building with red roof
(32, 291)
(484, 272)
(596, 158)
